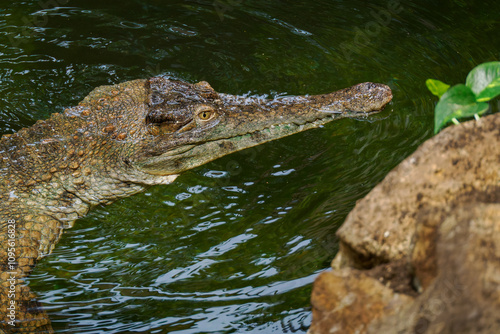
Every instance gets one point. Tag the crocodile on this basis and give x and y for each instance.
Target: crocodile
(118, 141)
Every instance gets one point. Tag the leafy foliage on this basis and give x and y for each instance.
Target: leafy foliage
(462, 101)
(484, 80)
(437, 87)
(458, 102)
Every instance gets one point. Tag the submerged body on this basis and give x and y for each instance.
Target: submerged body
(121, 139)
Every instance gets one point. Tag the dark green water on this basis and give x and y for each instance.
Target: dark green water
(232, 246)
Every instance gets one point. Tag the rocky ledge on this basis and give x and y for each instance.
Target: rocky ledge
(421, 252)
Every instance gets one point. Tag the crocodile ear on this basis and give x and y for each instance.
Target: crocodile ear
(203, 85)
(206, 91)
(157, 93)
(156, 116)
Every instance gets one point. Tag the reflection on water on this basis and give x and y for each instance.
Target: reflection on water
(232, 246)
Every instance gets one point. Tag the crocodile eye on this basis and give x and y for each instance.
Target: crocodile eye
(206, 114)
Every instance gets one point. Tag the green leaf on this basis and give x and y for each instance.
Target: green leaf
(437, 87)
(484, 80)
(491, 91)
(458, 102)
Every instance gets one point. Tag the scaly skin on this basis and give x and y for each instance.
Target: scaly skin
(119, 140)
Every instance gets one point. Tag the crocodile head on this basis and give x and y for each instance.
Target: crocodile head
(192, 124)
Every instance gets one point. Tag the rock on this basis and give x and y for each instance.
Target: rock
(435, 220)
(461, 290)
(346, 300)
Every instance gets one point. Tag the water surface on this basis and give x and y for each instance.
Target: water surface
(232, 246)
